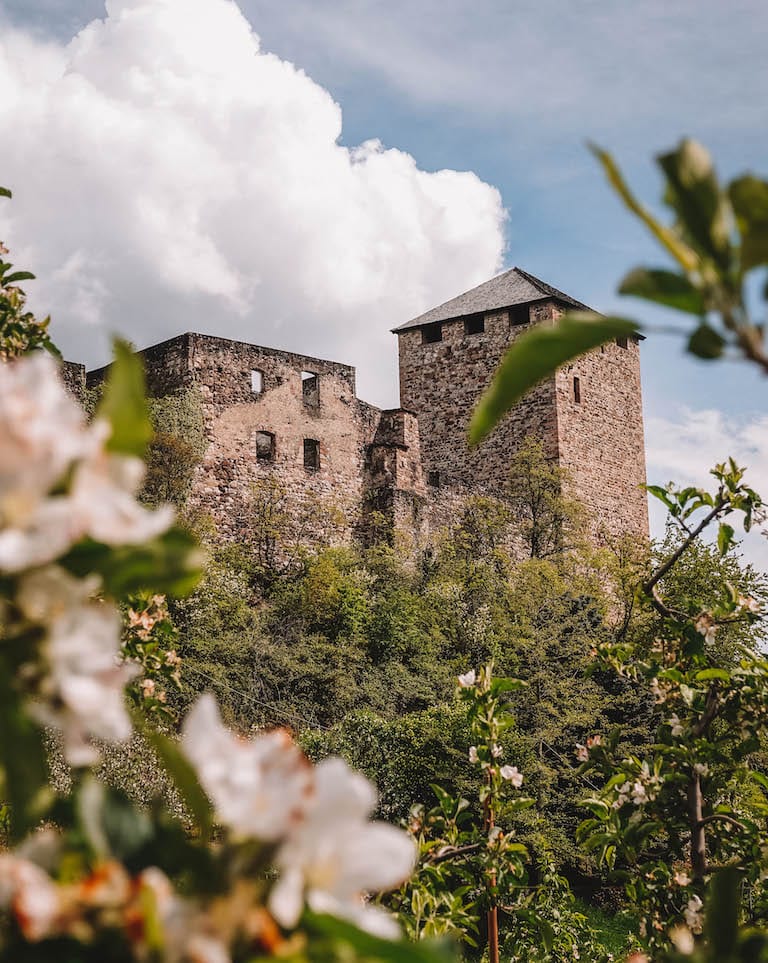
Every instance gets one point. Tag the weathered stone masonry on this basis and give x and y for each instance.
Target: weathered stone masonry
(272, 414)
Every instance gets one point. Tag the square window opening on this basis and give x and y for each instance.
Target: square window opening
(311, 454)
(475, 324)
(520, 314)
(431, 334)
(577, 390)
(265, 446)
(310, 389)
(622, 343)
(257, 381)
(433, 479)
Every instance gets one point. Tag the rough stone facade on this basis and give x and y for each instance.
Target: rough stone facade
(350, 470)
(588, 416)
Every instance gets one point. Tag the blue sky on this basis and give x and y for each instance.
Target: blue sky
(510, 92)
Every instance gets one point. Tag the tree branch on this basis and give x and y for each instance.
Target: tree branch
(721, 817)
(453, 852)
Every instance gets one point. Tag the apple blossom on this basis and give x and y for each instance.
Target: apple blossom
(259, 787)
(512, 774)
(473, 757)
(335, 855)
(467, 680)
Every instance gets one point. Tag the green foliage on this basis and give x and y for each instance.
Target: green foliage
(718, 236)
(176, 449)
(20, 331)
(123, 403)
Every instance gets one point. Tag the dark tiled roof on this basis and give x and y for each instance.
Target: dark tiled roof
(512, 287)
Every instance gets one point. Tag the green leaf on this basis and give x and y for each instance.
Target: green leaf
(369, 947)
(183, 775)
(725, 537)
(709, 675)
(19, 276)
(124, 404)
(507, 685)
(4, 192)
(706, 343)
(537, 353)
(749, 198)
(680, 251)
(697, 199)
(722, 921)
(24, 771)
(663, 287)
(169, 564)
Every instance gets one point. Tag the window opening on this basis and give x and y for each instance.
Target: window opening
(265, 446)
(310, 389)
(520, 314)
(475, 324)
(431, 334)
(433, 479)
(311, 454)
(577, 391)
(622, 342)
(257, 381)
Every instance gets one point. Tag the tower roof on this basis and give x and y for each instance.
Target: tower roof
(512, 287)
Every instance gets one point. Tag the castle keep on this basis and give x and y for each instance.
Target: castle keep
(296, 420)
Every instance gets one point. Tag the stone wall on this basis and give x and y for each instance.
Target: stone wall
(600, 437)
(73, 376)
(597, 439)
(442, 383)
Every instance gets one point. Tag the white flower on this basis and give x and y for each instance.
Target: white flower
(582, 753)
(42, 431)
(681, 878)
(259, 787)
(750, 604)
(675, 725)
(82, 690)
(623, 796)
(692, 914)
(336, 856)
(496, 751)
(104, 505)
(473, 757)
(639, 795)
(468, 679)
(682, 939)
(206, 949)
(706, 627)
(701, 769)
(512, 774)
(31, 895)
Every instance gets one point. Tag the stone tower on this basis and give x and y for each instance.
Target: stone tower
(588, 415)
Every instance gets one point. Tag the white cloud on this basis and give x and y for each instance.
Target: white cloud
(684, 445)
(170, 176)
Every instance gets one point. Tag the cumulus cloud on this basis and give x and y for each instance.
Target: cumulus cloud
(685, 444)
(169, 175)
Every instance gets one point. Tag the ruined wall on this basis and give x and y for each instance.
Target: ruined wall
(259, 411)
(73, 376)
(442, 383)
(600, 436)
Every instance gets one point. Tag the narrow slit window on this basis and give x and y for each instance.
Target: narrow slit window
(265, 446)
(310, 389)
(577, 390)
(622, 342)
(433, 479)
(257, 381)
(431, 334)
(311, 454)
(474, 324)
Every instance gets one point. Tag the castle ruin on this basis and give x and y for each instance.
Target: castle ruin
(273, 414)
